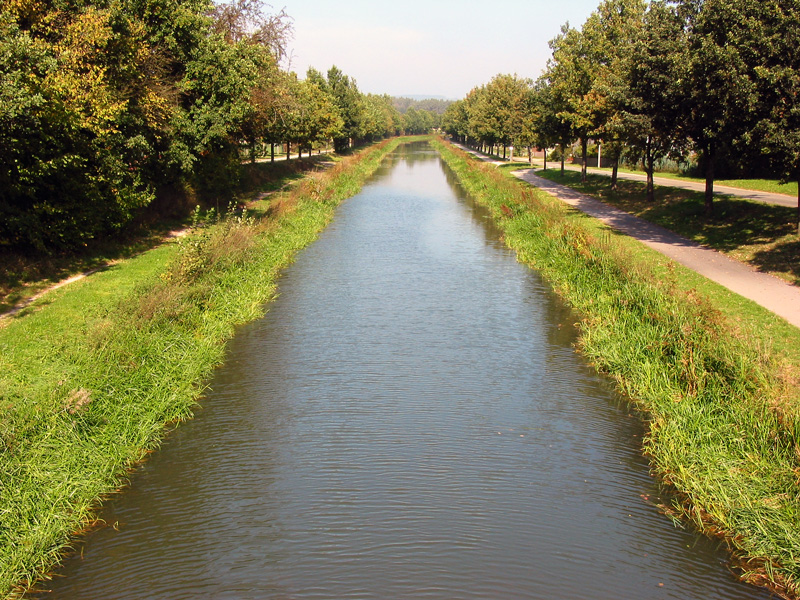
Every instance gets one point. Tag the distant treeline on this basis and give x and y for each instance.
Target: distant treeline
(714, 80)
(433, 105)
(109, 107)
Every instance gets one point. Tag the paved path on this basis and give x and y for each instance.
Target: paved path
(772, 293)
(766, 197)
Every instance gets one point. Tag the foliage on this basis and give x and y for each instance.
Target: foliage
(351, 107)
(570, 73)
(105, 106)
(433, 105)
(708, 81)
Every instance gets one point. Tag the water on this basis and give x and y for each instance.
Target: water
(409, 421)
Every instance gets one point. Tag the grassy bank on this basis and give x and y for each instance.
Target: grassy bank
(762, 235)
(92, 376)
(24, 274)
(721, 403)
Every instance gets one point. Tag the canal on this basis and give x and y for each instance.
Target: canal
(409, 420)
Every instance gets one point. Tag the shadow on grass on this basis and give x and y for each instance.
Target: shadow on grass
(784, 258)
(762, 235)
(23, 274)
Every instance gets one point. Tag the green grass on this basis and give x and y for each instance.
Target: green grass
(762, 235)
(772, 186)
(93, 375)
(23, 275)
(719, 398)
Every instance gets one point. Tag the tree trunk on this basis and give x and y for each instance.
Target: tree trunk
(562, 159)
(288, 150)
(544, 153)
(614, 173)
(709, 197)
(504, 151)
(584, 149)
(530, 156)
(272, 152)
(649, 167)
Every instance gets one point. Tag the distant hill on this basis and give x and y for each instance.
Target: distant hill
(423, 97)
(434, 104)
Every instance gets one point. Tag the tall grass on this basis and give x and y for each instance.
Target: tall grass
(93, 377)
(724, 432)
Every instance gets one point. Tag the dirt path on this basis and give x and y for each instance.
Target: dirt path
(28, 301)
(776, 295)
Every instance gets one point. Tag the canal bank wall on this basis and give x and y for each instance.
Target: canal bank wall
(721, 411)
(93, 378)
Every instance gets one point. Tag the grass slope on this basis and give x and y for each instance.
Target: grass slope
(762, 235)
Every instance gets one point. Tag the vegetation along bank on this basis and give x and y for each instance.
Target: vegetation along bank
(96, 373)
(720, 400)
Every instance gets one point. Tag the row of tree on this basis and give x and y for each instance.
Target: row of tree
(714, 78)
(108, 105)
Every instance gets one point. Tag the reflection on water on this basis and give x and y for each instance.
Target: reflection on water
(408, 421)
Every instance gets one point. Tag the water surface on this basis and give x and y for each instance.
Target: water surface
(408, 421)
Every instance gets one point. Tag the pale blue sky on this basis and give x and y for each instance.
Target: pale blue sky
(436, 47)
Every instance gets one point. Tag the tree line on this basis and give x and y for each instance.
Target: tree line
(108, 107)
(715, 79)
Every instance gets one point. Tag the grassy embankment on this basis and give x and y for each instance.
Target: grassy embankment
(23, 275)
(762, 235)
(93, 375)
(721, 404)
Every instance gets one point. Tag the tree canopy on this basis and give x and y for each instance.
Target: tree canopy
(105, 104)
(714, 81)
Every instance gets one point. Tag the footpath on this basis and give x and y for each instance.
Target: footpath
(775, 295)
(726, 190)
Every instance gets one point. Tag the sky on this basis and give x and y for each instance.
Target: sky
(427, 47)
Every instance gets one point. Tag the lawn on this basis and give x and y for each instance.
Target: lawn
(762, 235)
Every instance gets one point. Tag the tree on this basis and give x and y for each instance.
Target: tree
(102, 104)
(350, 103)
(249, 21)
(313, 118)
(505, 108)
(776, 132)
(549, 125)
(455, 121)
(479, 123)
(719, 88)
(547, 128)
(654, 74)
(418, 121)
(71, 170)
(571, 73)
(381, 118)
(612, 31)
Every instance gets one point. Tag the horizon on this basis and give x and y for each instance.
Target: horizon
(448, 53)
